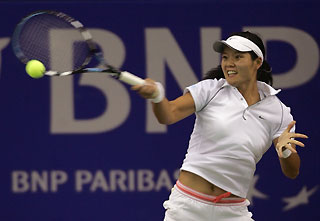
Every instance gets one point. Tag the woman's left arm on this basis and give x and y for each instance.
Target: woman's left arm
(286, 149)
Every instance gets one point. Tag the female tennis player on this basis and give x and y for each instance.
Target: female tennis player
(238, 116)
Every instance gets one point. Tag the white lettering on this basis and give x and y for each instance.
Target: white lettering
(131, 180)
(307, 51)
(40, 181)
(176, 174)
(123, 181)
(62, 89)
(3, 43)
(163, 51)
(163, 181)
(117, 179)
(58, 177)
(20, 183)
(145, 180)
(99, 181)
(82, 177)
(210, 59)
(36, 181)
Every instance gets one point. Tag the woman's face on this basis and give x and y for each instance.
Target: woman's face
(238, 67)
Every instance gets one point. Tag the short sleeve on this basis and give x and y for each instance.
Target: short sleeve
(203, 91)
(286, 118)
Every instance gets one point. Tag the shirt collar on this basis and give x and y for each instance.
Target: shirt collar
(266, 89)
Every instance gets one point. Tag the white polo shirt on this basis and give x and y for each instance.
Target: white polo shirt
(230, 137)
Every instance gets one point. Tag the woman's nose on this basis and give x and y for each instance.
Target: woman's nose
(230, 63)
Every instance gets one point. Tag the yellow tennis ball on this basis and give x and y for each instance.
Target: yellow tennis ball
(35, 69)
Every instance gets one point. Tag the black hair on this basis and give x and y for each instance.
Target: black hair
(264, 73)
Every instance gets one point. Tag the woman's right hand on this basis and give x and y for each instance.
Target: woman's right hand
(148, 90)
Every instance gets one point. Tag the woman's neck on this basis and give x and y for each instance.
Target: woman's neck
(250, 93)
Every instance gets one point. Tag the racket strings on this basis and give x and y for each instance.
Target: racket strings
(34, 40)
(45, 37)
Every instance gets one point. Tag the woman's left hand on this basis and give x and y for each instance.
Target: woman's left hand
(285, 140)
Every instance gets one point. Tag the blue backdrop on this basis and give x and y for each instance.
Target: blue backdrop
(87, 148)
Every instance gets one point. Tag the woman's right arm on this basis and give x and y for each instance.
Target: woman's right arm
(170, 112)
(167, 112)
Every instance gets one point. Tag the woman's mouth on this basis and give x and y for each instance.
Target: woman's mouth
(231, 73)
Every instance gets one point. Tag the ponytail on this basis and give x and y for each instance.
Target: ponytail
(214, 73)
(264, 73)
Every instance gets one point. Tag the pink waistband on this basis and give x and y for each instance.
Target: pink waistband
(214, 199)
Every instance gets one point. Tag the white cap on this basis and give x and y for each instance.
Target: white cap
(238, 43)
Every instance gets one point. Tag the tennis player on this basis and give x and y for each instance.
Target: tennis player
(238, 116)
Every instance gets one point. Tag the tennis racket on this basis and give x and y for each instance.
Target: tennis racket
(33, 40)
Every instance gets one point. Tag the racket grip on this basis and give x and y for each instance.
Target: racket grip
(130, 78)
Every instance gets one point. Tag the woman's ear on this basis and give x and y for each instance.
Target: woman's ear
(259, 62)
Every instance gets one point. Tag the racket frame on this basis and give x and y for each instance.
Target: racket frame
(93, 50)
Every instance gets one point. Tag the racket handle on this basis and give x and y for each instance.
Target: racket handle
(130, 78)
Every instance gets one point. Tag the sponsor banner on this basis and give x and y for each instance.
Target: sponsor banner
(88, 148)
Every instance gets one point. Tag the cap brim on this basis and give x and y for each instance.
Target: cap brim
(219, 46)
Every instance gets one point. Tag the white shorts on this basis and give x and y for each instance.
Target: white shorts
(185, 204)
